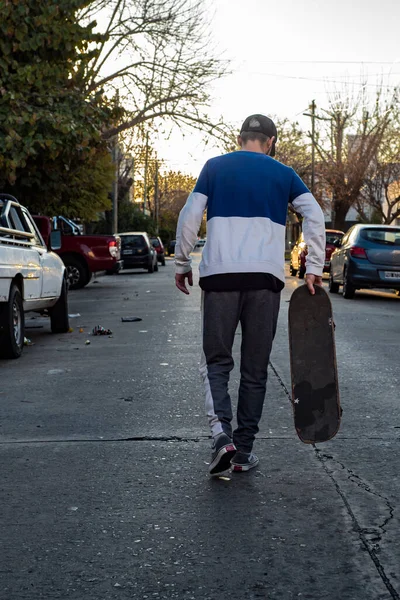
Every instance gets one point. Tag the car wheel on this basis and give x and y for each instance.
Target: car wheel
(348, 289)
(292, 270)
(77, 273)
(301, 273)
(151, 268)
(333, 286)
(156, 267)
(12, 325)
(59, 318)
(163, 261)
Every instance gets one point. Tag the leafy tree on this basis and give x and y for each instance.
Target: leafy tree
(52, 155)
(130, 218)
(175, 188)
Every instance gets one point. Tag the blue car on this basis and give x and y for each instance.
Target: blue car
(368, 256)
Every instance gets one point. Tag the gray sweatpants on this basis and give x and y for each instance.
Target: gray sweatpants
(257, 312)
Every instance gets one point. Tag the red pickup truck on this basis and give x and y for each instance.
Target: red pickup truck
(82, 255)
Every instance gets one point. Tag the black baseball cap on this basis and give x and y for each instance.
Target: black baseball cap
(261, 124)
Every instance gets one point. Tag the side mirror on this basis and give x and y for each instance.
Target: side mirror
(337, 243)
(55, 240)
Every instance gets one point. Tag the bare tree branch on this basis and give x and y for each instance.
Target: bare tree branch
(159, 55)
(349, 152)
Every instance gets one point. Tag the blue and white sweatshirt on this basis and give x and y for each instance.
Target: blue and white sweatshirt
(246, 195)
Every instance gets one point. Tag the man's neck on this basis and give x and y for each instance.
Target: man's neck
(253, 146)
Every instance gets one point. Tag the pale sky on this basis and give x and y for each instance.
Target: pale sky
(288, 52)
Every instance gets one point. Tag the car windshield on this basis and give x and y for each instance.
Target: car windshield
(67, 226)
(389, 237)
(332, 237)
(155, 242)
(133, 241)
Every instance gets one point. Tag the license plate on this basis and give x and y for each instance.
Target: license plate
(127, 252)
(392, 274)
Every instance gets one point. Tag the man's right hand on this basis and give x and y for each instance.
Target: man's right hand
(180, 281)
(312, 280)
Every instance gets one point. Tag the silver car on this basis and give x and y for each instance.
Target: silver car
(367, 257)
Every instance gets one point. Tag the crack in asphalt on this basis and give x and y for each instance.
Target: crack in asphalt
(139, 438)
(369, 537)
(356, 479)
(363, 532)
(281, 382)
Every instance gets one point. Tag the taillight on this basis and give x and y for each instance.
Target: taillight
(358, 252)
(113, 248)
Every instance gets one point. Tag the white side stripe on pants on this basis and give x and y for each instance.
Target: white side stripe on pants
(215, 424)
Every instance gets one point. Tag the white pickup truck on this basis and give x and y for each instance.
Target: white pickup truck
(32, 277)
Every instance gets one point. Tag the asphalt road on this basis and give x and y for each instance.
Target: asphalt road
(105, 492)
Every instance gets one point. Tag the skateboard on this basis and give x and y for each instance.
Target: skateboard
(315, 391)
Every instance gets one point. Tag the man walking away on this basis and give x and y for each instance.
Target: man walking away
(246, 195)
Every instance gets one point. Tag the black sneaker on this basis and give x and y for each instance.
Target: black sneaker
(223, 450)
(244, 461)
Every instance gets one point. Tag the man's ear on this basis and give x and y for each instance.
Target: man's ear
(271, 142)
(239, 141)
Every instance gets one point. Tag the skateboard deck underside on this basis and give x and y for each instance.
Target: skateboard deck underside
(315, 392)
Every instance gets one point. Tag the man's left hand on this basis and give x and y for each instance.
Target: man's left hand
(312, 280)
(180, 281)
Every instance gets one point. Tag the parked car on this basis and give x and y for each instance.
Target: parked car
(32, 277)
(137, 251)
(368, 256)
(299, 252)
(171, 247)
(159, 248)
(83, 255)
(333, 238)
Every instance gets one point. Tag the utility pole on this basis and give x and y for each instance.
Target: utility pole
(133, 180)
(115, 157)
(146, 160)
(156, 198)
(312, 108)
(313, 116)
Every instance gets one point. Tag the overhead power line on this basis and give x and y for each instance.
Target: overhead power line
(327, 62)
(324, 79)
